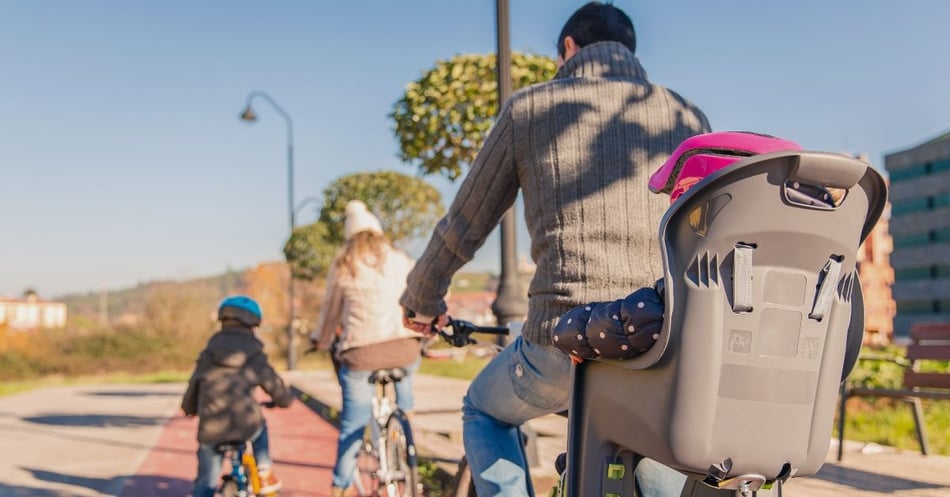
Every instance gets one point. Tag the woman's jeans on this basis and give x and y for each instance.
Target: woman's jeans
(358, 395)
(523, 382)
(209, 462)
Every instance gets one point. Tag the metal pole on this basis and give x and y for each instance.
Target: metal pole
(291, 333)
(291, 336)
(510, 303)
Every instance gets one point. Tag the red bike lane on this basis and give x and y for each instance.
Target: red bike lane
(303, 446)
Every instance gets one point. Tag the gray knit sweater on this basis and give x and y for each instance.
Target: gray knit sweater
(581, 148)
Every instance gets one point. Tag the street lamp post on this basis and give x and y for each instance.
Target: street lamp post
(510, 303)
(249, 116)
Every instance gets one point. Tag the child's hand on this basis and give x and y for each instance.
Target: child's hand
(621, 329)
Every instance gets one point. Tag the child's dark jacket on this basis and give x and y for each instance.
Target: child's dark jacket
(221, 389)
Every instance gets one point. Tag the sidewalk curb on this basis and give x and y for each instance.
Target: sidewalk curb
(329, 414)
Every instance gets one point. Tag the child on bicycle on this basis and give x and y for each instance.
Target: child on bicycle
(221, 393)
(625, 328)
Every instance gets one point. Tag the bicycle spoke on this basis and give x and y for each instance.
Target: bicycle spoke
(401, 474)
(366, 477)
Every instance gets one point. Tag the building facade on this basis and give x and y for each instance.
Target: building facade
(920, 227)
(877, 280)
(31, 313)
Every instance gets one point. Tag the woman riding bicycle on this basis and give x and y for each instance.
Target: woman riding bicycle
(221, 394)
(361, 301)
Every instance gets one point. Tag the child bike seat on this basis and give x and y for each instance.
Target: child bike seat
(761, 292)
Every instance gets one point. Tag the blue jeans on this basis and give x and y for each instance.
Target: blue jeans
(209, 462)
(523, 382)
(358, 395)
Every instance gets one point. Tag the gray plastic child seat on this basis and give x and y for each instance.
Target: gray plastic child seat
(744, 377)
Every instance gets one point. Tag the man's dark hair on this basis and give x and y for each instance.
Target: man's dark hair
(598, 21)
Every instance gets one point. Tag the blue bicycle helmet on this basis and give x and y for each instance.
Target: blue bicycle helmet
(242, 308)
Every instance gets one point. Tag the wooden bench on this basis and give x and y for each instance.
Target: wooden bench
(929, 341)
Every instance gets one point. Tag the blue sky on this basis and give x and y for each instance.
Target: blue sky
(122, 158)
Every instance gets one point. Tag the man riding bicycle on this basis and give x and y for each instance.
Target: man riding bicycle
(581, 149)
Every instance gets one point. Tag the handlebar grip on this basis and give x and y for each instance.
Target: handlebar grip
(491, 330)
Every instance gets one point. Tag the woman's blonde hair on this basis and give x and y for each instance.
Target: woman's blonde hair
(366, 247)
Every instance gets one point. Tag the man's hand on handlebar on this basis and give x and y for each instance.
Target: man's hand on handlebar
(426, 325)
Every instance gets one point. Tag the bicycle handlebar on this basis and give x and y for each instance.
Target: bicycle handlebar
(458, 332)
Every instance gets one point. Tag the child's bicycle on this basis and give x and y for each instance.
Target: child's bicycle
(243, 479)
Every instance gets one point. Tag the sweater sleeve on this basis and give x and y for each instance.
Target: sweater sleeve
(488, 190)
(329, 311)
(272, 383)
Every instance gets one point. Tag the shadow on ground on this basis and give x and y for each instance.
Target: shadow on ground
(15, 491)
(51, 433)
(132, 486)
(102, 485)
(133, 393)
(95, 420)
(156, 486)
(870, 482)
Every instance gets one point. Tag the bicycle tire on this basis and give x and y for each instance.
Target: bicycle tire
(401, 477)
(462, 484)
(229, 488)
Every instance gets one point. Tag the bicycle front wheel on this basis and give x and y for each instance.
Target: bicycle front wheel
(366, 475)
(400, 476)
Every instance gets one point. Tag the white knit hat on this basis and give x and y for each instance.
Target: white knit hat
(359, 218)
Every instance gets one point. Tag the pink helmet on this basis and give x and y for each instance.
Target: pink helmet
(702, 155)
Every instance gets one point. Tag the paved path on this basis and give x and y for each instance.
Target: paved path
(130, 441)
(867, 470)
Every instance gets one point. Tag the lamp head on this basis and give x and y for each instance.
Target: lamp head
(248, 114)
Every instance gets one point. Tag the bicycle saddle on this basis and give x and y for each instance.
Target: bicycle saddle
(229, 445)
(386, 376)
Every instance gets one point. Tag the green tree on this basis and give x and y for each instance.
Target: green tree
(407, 207)
(443, 117)
(309, 251)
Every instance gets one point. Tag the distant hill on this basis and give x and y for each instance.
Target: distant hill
(132, 300)
(118, 305)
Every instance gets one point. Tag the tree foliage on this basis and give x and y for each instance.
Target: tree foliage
(407, 207)
(443, 117)
(309, 251)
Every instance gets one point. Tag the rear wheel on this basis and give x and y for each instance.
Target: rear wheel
(400, 478)
(462, 485)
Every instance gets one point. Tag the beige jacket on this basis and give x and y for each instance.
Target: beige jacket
(365, 307)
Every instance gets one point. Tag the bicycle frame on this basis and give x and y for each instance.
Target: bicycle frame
(386, 422)
(243, 472)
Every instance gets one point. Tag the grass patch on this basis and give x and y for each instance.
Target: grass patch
(464, 369)
(891, 422)
(888, 421)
